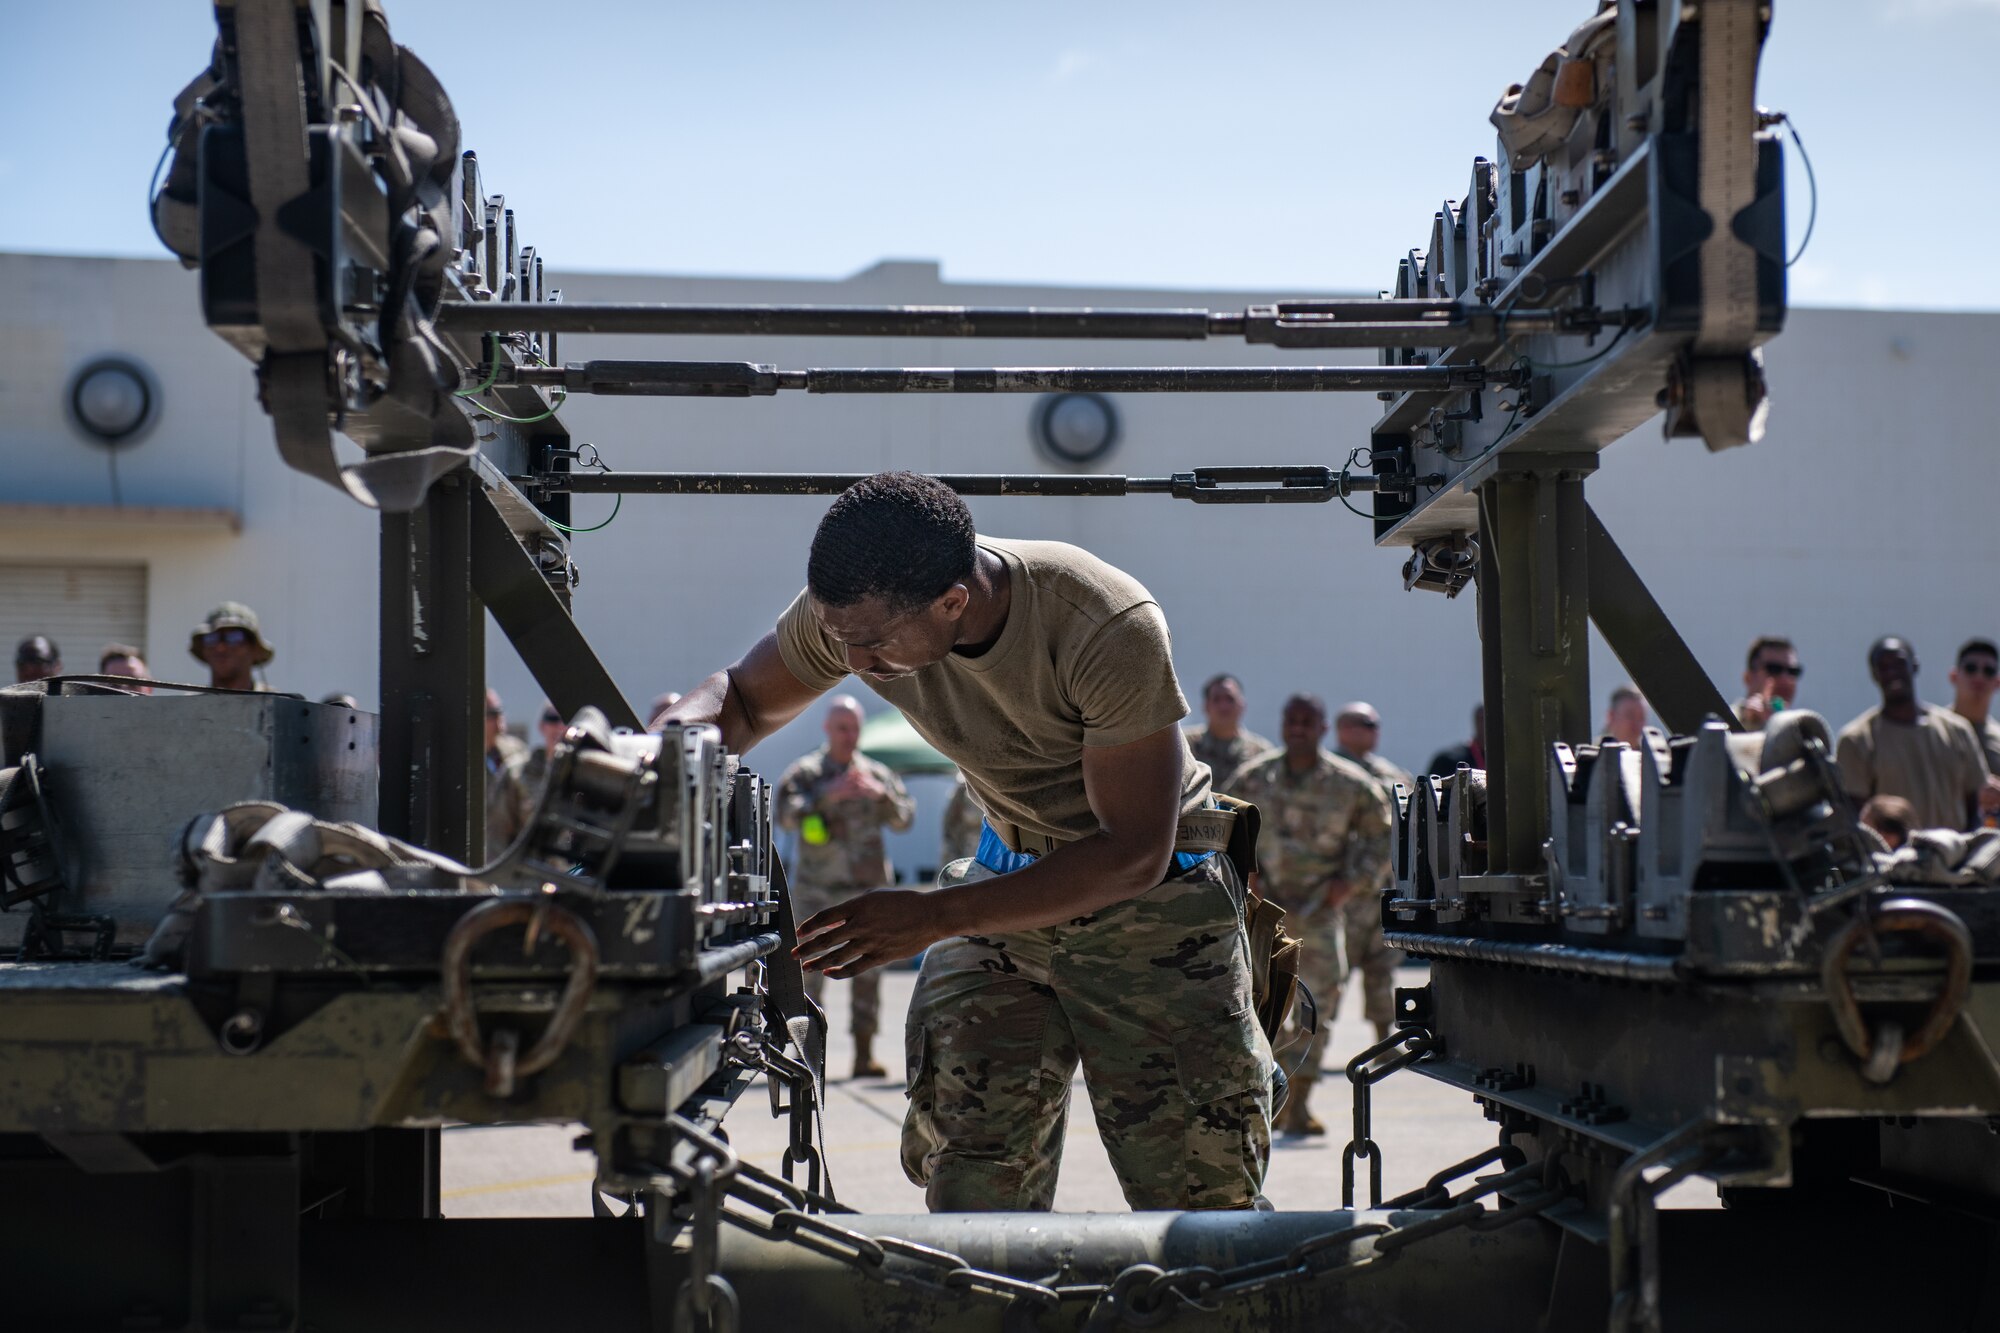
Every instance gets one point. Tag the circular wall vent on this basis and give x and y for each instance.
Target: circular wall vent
(113, 401)
(1076, 428)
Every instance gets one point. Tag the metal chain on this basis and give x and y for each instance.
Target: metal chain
(756, 1050)
(1143, 1294)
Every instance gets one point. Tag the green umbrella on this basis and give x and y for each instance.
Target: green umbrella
(889, 738)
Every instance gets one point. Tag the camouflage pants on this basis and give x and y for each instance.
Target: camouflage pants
(866, 989)
(1151, 996)
(1337, 944)
(1322, 932)
(1370, 955)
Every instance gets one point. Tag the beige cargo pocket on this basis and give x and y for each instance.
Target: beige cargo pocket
(1225, 1074)
(920, 1138)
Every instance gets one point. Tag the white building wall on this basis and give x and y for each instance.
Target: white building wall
(1867, 509)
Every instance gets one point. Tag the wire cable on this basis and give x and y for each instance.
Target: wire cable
(1812, 187)
(618, 504)
(1598, 355)
(492, 370)
(596, 463)
(561, 398)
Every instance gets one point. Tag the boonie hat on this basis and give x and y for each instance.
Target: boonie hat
(231, 615)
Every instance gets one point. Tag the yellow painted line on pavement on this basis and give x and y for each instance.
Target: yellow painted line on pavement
(508, 1186)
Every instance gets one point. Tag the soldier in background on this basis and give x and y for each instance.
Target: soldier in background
(1891, 817)
(508, 801)
(963, 821)
(1472, 754)
(1771, 676)
(1326, 830)
(1929, 756)
(1972, 683)
(838, 800)
(231, 645)
(36, 658)
(535, 773)
(1357, 731)
(1625, 716)
(1222, 743)
(122, 659)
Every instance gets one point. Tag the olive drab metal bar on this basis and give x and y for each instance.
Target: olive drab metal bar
(1305, 323)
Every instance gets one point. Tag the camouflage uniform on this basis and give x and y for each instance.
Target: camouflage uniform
(535, 773)
(1330, 822)
(1226, 759)
(840, 853)
(509, 802)
(962, 822)
(1367, 952)
(1150, 995)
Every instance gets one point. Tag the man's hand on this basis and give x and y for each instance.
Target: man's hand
(1757, 706)
(1989, 796)
(1335, 892)
(875, 928)
(855, 785)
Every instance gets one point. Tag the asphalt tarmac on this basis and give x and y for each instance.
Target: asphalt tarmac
(534, 1171)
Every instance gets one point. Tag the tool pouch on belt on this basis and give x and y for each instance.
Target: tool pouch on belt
(1274, 954)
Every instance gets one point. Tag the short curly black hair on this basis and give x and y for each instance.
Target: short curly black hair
(899, 536)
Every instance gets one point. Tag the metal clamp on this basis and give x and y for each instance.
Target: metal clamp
(501, 1061)
(1885, 1048)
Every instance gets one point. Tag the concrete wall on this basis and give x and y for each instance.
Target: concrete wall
(1866, 510)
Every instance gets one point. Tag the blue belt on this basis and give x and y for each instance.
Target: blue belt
(1001, 859)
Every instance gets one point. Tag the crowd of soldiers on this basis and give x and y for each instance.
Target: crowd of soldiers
(1328, 820)
(1327, 814)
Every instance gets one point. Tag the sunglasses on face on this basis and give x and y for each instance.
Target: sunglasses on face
(215, 636)
(1972, 668)
(1361, 722)
(1782, 669)
(552, 719)
(495, 712)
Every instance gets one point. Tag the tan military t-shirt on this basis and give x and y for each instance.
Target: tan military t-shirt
(1934, 763)
(1084, 659)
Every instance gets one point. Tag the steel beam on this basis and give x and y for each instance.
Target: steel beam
(1535, 644)
(1646, 643)
(1307, 323)
(505, 577)
(1220, 485)
(747, 379)
(433, 683)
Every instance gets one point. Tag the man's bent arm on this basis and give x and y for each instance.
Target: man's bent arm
(752, 698)
(1135, 792)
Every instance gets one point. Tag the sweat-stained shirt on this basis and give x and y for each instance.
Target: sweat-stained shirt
(1083, 660)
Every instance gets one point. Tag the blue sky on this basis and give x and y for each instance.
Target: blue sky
(1262, 144)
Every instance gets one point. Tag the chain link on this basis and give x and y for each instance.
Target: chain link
(1142, 1295)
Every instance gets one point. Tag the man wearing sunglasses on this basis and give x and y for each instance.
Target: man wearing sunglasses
(1100, 921)
(535, 773)
(229, 643)
(1929, 756)
(1972, 682)
(1770, 680)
